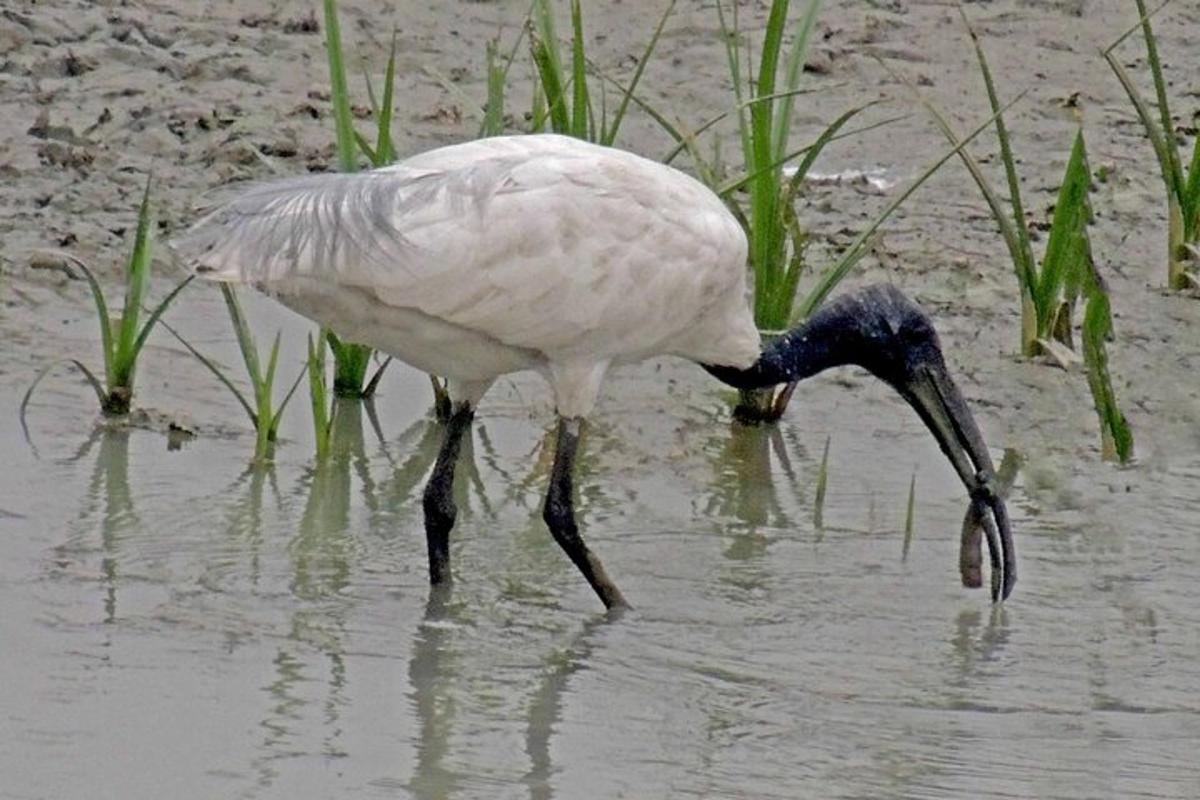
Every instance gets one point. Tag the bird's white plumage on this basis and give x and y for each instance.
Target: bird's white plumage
(497, 255)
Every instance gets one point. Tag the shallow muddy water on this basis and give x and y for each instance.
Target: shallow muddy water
(176, 624)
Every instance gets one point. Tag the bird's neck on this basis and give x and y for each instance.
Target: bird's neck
(832, 337)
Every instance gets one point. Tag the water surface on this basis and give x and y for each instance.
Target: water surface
(176, 624)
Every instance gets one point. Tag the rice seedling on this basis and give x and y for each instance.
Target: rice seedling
(777, 241)
(121, 338)
(264, 415)
(1183, 186)
(1050, 290)
(565, 100)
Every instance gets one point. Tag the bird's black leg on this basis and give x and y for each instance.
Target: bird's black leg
(559, 513)
(440, 510)
(887, 333)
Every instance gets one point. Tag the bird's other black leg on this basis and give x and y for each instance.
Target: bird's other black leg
(438, 500)
(559, 513)
(881, 329)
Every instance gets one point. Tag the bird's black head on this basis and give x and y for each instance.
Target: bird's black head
(882, 330)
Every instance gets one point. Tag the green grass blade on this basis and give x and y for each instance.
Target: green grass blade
(318, 393)
(681, 142)
(339, 92)
(731, 37)
(368, 150)
(350, 366)
(215, 370)
(385, 151)
(1191, 197)
(858, 247)
(619, 116)
(1116, 435)
(268, 420)
(813, 151)
(539, 109)
(739, 108)
(544, 46)
(546, 28)
(245, 338)
(1026, 270)
(765, 235)
(92, 380)
(794, 67)
(268, 380)
(158, 311)
(730, 185)
(496, 82)
(761, 115)
(1160, 90)
(1158, 138)
(137, 279)
(1137, 26)
(781, 305)
(1068, 230)
(910, 514)
(287, 398)
(373, 383)
(493, 114)
(822, 486)
(1006, 157)
(581, 104)
(552, 88)
(106, 337)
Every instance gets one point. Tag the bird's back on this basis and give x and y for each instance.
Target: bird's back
(543, 244)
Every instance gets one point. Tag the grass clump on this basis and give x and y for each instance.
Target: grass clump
(1051, 289)
(264, 415)
(121, 338)
(777, 241)
(1182, 185)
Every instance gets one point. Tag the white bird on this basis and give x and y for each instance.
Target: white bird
(548, 253)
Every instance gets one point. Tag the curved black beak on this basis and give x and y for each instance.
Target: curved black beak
(932, 393)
